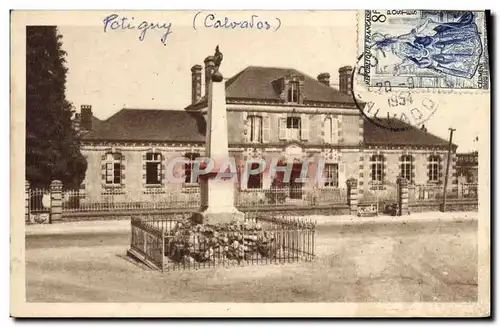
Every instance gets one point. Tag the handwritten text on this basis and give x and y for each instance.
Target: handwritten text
(114, 22)
(252, 22)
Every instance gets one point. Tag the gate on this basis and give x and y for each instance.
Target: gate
(39, 206)
(380, 199)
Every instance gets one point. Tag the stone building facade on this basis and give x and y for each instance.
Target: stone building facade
(273, 114)
(467, 167)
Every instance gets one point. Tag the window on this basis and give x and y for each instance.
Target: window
(153, 168)
(255, 128)
(331, 175)
(254, 181)
(188, 167)
(405, 167)
(113, 168)
(293, 122)
(433, 168)
(377, 168)
(293, 92)
(293, 128)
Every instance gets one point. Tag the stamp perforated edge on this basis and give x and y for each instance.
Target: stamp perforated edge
(360, 27)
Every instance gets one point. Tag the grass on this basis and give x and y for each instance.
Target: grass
(396, 263)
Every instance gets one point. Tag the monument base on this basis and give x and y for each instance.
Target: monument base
(221, 215)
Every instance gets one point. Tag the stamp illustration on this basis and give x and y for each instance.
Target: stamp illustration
(426, 49)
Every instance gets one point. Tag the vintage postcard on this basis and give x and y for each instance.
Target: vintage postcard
(250, 163)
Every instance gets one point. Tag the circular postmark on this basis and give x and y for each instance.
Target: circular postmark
(396, 109)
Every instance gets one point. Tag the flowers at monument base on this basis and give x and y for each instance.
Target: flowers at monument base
(189, 243)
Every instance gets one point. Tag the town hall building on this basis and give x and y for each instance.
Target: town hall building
(272, 113)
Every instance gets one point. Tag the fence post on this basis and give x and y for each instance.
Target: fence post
(55, 201)
(403, 196)
(27, 202)
(352, 195)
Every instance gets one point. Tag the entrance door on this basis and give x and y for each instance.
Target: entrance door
(295, 187)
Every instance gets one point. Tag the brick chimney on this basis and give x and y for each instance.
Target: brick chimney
(345, 79)
(196, 83)
(85, 117)
(324, 78)
(209, 69)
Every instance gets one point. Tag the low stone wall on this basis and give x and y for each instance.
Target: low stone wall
(123, 215)
(182, 213)
(455, 205)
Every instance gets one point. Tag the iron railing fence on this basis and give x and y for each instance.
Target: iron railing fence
(79, 201)
(434, 193)
(39, 201)
(170, 243)
(294, 195)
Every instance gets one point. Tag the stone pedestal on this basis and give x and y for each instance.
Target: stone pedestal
(403, 197)
(217, 195)
(55, 201)
(352, 195)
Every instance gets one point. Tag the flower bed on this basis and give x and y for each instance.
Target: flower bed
(170, 243)
(191, 243)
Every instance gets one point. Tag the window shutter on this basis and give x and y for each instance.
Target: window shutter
(322, 181)
(339, 129)
(412, 170)
(441, 170)
(335, 130)
(384, 169)
(162, 176)
(304, 124)
(103, 169)
(122, 167)
(342, 175)
(282, 128)
(246, 127)
(323, 127)
(266, 129)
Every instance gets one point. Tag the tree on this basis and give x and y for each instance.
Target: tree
(52, 144)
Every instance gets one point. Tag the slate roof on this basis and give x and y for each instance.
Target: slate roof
(135, 125)
(409, 136)
(95, 121)
(150, 125)
(255, 83)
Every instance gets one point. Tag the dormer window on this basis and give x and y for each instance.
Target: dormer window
(293, 92)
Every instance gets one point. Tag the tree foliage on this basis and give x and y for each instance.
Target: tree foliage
(52, 144)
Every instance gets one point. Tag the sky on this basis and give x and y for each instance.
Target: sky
(115, 69)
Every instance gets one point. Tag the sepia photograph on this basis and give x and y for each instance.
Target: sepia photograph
(250, 163)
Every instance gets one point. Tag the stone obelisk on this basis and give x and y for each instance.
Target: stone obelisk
(217, 195)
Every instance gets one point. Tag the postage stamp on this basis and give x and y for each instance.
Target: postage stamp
(426, 48)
